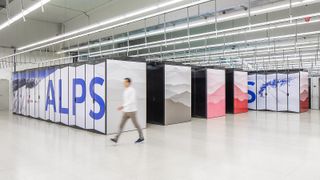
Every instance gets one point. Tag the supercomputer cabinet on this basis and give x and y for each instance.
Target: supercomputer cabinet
(168, 93)
(236, 91)
(208, 92)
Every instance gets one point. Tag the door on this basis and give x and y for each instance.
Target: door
(4, 95)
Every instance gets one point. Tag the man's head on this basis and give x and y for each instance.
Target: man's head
(127, 82)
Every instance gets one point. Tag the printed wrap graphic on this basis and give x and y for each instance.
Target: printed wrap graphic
(216, 93)
(282, 91)
(240, 92)
(75, 94)
(116, 72)
(177, 94)
(271, 88)
(304, 92)
(252, 88)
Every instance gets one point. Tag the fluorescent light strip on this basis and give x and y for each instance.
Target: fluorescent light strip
(228, 55)
(23, 13)
(139, 19)
(109, 27)
(80, 55)
(175, 41)
(116, 19)
(259, 60)
(224, 44)
(197, 24)
(241, 52)
(221, 19)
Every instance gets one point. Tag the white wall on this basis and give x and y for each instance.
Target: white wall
(6, 73)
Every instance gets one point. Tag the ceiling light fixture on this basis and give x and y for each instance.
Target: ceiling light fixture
(23, 13)
(183, 39)
(218, 45)
(92, 28)
(222, 18)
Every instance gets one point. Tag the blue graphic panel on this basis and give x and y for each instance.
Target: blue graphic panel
(282, 91)
(261, 91)
(271, 88)
(252, 87)
(294, 92)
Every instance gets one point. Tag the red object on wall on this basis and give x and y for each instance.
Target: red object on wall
(307, 19)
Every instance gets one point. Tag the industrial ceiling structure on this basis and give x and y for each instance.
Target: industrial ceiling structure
(248, 34)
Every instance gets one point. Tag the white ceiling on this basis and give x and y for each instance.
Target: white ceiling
(56, 12)
(66, 15)
(61, 11)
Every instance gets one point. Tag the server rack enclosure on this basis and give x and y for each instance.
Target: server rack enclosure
(199, 92)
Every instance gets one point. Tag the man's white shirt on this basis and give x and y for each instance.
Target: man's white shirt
(129, 100)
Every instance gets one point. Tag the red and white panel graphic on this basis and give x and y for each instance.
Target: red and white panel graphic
(216, 93)
(304, 92)
(240, 92)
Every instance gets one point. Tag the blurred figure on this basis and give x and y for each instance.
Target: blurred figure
(129, 109)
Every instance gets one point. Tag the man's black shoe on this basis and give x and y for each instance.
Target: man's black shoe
(139, 140)
(114, 140)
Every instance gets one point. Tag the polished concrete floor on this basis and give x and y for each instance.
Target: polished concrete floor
(256, 145)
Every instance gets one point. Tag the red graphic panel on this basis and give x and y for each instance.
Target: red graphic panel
(304, 92)
(216, 93)
(240, 92)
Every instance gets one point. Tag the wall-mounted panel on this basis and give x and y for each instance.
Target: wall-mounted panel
(216, 93)
(240, 92)
(294, 92)
(116, 72)
(252, 91)
(282, 91)
(177, 94)
(271, 86)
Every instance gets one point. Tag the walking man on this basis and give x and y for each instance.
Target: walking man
(129, 109)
